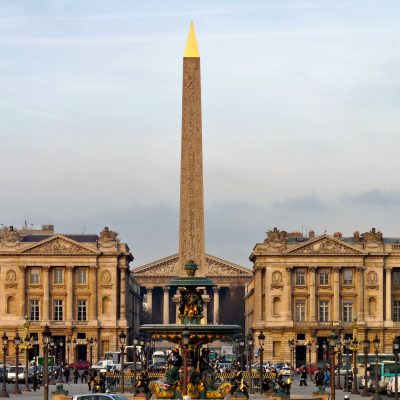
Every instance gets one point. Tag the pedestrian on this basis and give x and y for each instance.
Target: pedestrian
(66, 374)
(303, 377)
(327, 378)
(319, 380)
(76, 376)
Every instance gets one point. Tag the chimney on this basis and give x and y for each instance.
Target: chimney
(311, 234)
(356, 235)
(337, 235)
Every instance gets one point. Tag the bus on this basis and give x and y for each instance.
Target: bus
(386, 370)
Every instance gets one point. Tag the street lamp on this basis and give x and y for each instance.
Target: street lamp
(347, 344)
(52, 347)
(36, 354)
(135, 343)
(61, 346)
(17, 342)
(91, 342)
(324, 350)
(332, 340)
(339, 352)
(46, 341)
(249, 360)
(309, 346)
(291, 347)
(4, 340)
(27, 343)
(376, 342)
(142, 356)
(396, 347)
(354, 389)
(241, 348)
(317, 352)
(366, 346)
(185, 344)
(68, 350)
(122, 342)
(74, 343)
(261, 338)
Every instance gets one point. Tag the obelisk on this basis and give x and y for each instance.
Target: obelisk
(191, 221)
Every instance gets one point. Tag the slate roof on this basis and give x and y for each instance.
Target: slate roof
(77, 238)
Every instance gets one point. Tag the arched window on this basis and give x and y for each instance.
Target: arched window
(11, 305)
(105, 305)
(372, 306)
(276, 306)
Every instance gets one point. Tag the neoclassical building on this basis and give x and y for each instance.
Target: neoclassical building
(80, 285)
(306, 287)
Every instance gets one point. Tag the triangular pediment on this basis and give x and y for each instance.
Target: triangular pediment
(59, 244)
(325, 245)
(169, 266)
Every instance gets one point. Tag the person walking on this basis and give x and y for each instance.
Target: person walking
(303, 378)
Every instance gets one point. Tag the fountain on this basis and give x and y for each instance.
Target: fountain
(196, 378)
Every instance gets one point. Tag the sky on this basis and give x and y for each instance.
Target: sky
(300, 103)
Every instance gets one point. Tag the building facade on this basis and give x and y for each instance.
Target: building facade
(80, 285)
(304, 288)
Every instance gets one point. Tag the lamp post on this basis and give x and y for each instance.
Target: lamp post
(332, 340)
(339, 362)
(309, 346)
(91, 344)
(68, 350)
(261, 338)
(27, 343)
(36, 354)
(376, 342)
(74, 353)
(346, 380)
(185, 344)
(317, 353)
(46, 341)
(17, 342)
(354, 389)
(122, 343)
(396, 347)
(249, 360)
(52, 347)
(324, 351)
(241, 348)
(142, 356)
(135, 343)
(4, 340)
(291, 343)
(61, 346)
(366, 346)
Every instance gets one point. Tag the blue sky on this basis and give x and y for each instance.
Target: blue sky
(300, 118)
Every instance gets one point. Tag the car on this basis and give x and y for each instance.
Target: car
(158, 367)
(12, 374)
(80, 365)
(99, 396)
(225, 367)
(285, 371)
(390, 388)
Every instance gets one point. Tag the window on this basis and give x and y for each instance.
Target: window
(276, 349)
(82, 310)
(347, 311)
(300, 311)
(82, 276)
(396, 278)
(324, 277)
(58, 310)
(34, 310)
(35, 276)
(58, 276)
(348, 276)
(396, 310)
(300, 277)
(324, 311)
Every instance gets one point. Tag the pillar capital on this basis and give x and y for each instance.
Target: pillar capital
(388, 268)
(166, 288)
(216, 289)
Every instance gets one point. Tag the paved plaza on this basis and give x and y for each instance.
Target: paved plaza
(83, 388)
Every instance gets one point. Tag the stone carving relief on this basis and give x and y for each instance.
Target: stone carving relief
(11, 276)
(215, 268)
(105, 276)
(372, 239)
(58, 246)
(106, 235)
(276, 240)
(10, 237)
(372, 280)
(325, 246)
(277, 280)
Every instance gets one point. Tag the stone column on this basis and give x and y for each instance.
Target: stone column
(46, 292)
(93, 291)
(216, 306)
(289, 295)
(257, 299)
(71, 290)
(22, 291)
(122, 292)
(388, 298)
(166, 305)
(312, 271)
(336, 294)
(361, 288)
(149, 296)
(267, 299)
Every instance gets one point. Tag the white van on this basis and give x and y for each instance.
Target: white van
(103, 365)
